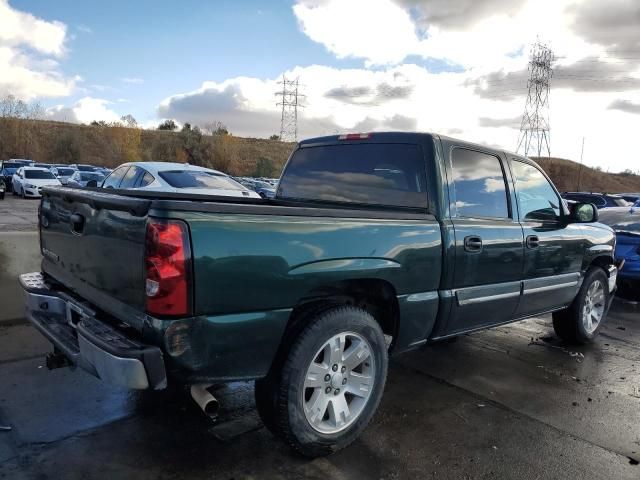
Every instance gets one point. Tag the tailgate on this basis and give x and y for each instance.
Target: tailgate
(93, 243)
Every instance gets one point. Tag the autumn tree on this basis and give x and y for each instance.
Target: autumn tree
(264, 168)
(169, 125)
(215, 128)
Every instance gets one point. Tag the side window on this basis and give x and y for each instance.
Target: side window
(536, 197)
(146, 179)
(113, 180)
(130, 178)
(479, 183)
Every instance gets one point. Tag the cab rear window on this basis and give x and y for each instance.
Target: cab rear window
(361, 173)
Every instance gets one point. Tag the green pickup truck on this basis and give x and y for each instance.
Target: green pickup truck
(375, 244)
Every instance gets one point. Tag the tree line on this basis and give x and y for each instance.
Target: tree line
(24, 133)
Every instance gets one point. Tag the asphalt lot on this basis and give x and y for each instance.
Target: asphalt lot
(511, 402)
(17, 214)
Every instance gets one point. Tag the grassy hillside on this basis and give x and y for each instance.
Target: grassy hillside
(58, 142)
(570, 176)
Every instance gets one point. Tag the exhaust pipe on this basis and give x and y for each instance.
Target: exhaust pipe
(207, 402)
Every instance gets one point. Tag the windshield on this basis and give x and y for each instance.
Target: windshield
(199, 179)
(38, 174)
(65, 172)
(86, 168)
(621, 202)
(87, 176)
(627, 219)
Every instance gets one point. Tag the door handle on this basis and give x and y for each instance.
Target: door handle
(533, 241)
(77, 223)
(472, 243)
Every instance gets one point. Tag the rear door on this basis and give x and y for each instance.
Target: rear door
(554, 248)
(488, 246)
(93, 243)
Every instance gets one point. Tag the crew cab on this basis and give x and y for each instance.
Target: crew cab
(374, 244)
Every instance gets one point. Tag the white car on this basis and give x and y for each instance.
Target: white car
(28, 181)
(176, 178)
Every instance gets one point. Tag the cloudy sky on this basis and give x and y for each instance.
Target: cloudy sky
(457, 67)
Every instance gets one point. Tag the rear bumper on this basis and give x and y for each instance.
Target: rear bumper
(89, 343)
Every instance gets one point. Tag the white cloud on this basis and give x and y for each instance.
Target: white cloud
(355, 28)
(20, 28)
(133, 80)
(29, 49)
(385, 32)
(84, 29)
(342, 100)
(85, 110)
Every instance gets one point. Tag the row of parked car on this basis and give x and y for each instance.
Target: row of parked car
(26, 178)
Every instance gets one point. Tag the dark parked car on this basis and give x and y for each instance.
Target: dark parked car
(3, 188)
(7, 169)
(600, 200)
(374, 244)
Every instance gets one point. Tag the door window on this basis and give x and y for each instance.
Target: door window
(537, 199)
(114, 179)
(480, 188)
(130, 177)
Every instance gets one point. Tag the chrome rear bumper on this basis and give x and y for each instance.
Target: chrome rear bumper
(89, 343)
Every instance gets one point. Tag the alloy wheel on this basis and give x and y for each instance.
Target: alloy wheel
(593, 307)
(338, 383)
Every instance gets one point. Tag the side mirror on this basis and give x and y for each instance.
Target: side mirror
(92, 183)
(583, 212)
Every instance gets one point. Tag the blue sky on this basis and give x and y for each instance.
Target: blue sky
(457, 67)
(175, 46)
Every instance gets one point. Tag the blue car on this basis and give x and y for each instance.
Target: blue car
(626, 223)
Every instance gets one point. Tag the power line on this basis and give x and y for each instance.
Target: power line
(290, 98)
(534, 129)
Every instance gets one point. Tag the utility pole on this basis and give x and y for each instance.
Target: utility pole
(534, 129)
(290, 100)
(581, 164)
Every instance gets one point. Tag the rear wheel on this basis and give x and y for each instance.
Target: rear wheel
(330, 384)
(582, 320)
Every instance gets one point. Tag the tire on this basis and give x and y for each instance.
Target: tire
(341, 414)
(22, 194)
(575, 324)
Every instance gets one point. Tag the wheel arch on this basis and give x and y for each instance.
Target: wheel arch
(375, 296)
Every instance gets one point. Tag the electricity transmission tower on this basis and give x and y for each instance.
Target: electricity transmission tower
(290, 101)
(534, 129)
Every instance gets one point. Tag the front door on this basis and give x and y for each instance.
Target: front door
(488, 242)
(553, 249)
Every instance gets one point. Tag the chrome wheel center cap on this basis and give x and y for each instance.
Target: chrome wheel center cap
(336, 380)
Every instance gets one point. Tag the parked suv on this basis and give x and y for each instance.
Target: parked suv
(600, 200)
(375, 244)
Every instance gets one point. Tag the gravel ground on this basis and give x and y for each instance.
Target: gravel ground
(18, 215)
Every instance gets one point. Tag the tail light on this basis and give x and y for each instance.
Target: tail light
(168, 269)
(355, 136)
